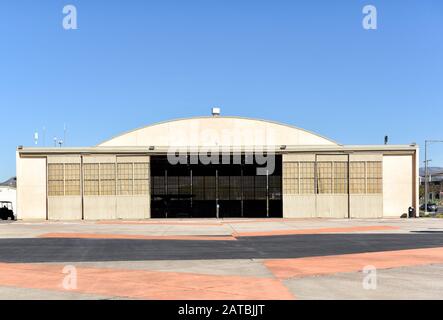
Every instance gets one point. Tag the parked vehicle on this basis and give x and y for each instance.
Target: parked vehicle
(6, 210)
(432, 207)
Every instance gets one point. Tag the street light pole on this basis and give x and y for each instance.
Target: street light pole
(426, 183)
(426, 170)
(426, 177)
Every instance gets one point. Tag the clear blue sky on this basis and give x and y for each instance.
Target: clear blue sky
(305, 63)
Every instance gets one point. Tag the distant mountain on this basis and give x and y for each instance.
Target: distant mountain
(431, 171)
(10, 183)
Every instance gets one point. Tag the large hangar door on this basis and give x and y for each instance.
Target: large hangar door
(315, 185)
(245, 194)
(214, 190)
(333, 186)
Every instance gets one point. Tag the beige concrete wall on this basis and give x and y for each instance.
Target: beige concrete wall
(65, 208)
(134, 159)
(31, 188)
(374, 156)
(315, 206)
(299, 206)
(288, 157)
(100, 208)
(133, 207)
(399, 184)
(64, 159)
(332, 205)
(366, 205)
(332, 157)
(116, 207)
(99, 159)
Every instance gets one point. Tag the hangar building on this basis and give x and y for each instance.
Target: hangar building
(217, 166)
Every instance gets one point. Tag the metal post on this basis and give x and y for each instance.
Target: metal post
(166, 194)
(426, 176)
(82, 187)
(315, 185)
(192, 191)
(349, 187)
(241, 190)
(426, 170)
(47, 191)
(267, 193)
(216, 194)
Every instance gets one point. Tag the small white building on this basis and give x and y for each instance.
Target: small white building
(8, 192)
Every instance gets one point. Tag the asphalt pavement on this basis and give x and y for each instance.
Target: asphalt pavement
(36, 250)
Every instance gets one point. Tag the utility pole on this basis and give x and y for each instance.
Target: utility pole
(267, 193)
(426, 182)
(426, 177)
(426, 170)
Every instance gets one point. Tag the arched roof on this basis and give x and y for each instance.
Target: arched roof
(217, 131)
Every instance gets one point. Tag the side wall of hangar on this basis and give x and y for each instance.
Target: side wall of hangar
(319, 178)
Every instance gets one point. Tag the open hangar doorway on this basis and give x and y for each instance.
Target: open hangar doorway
(216, 190)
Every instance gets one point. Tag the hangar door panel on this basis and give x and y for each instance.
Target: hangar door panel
(332, 198)
(133, 180)
(64, 188)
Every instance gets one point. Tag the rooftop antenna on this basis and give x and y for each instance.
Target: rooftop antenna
(44, 136)
(36, 138)
(64, 133)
